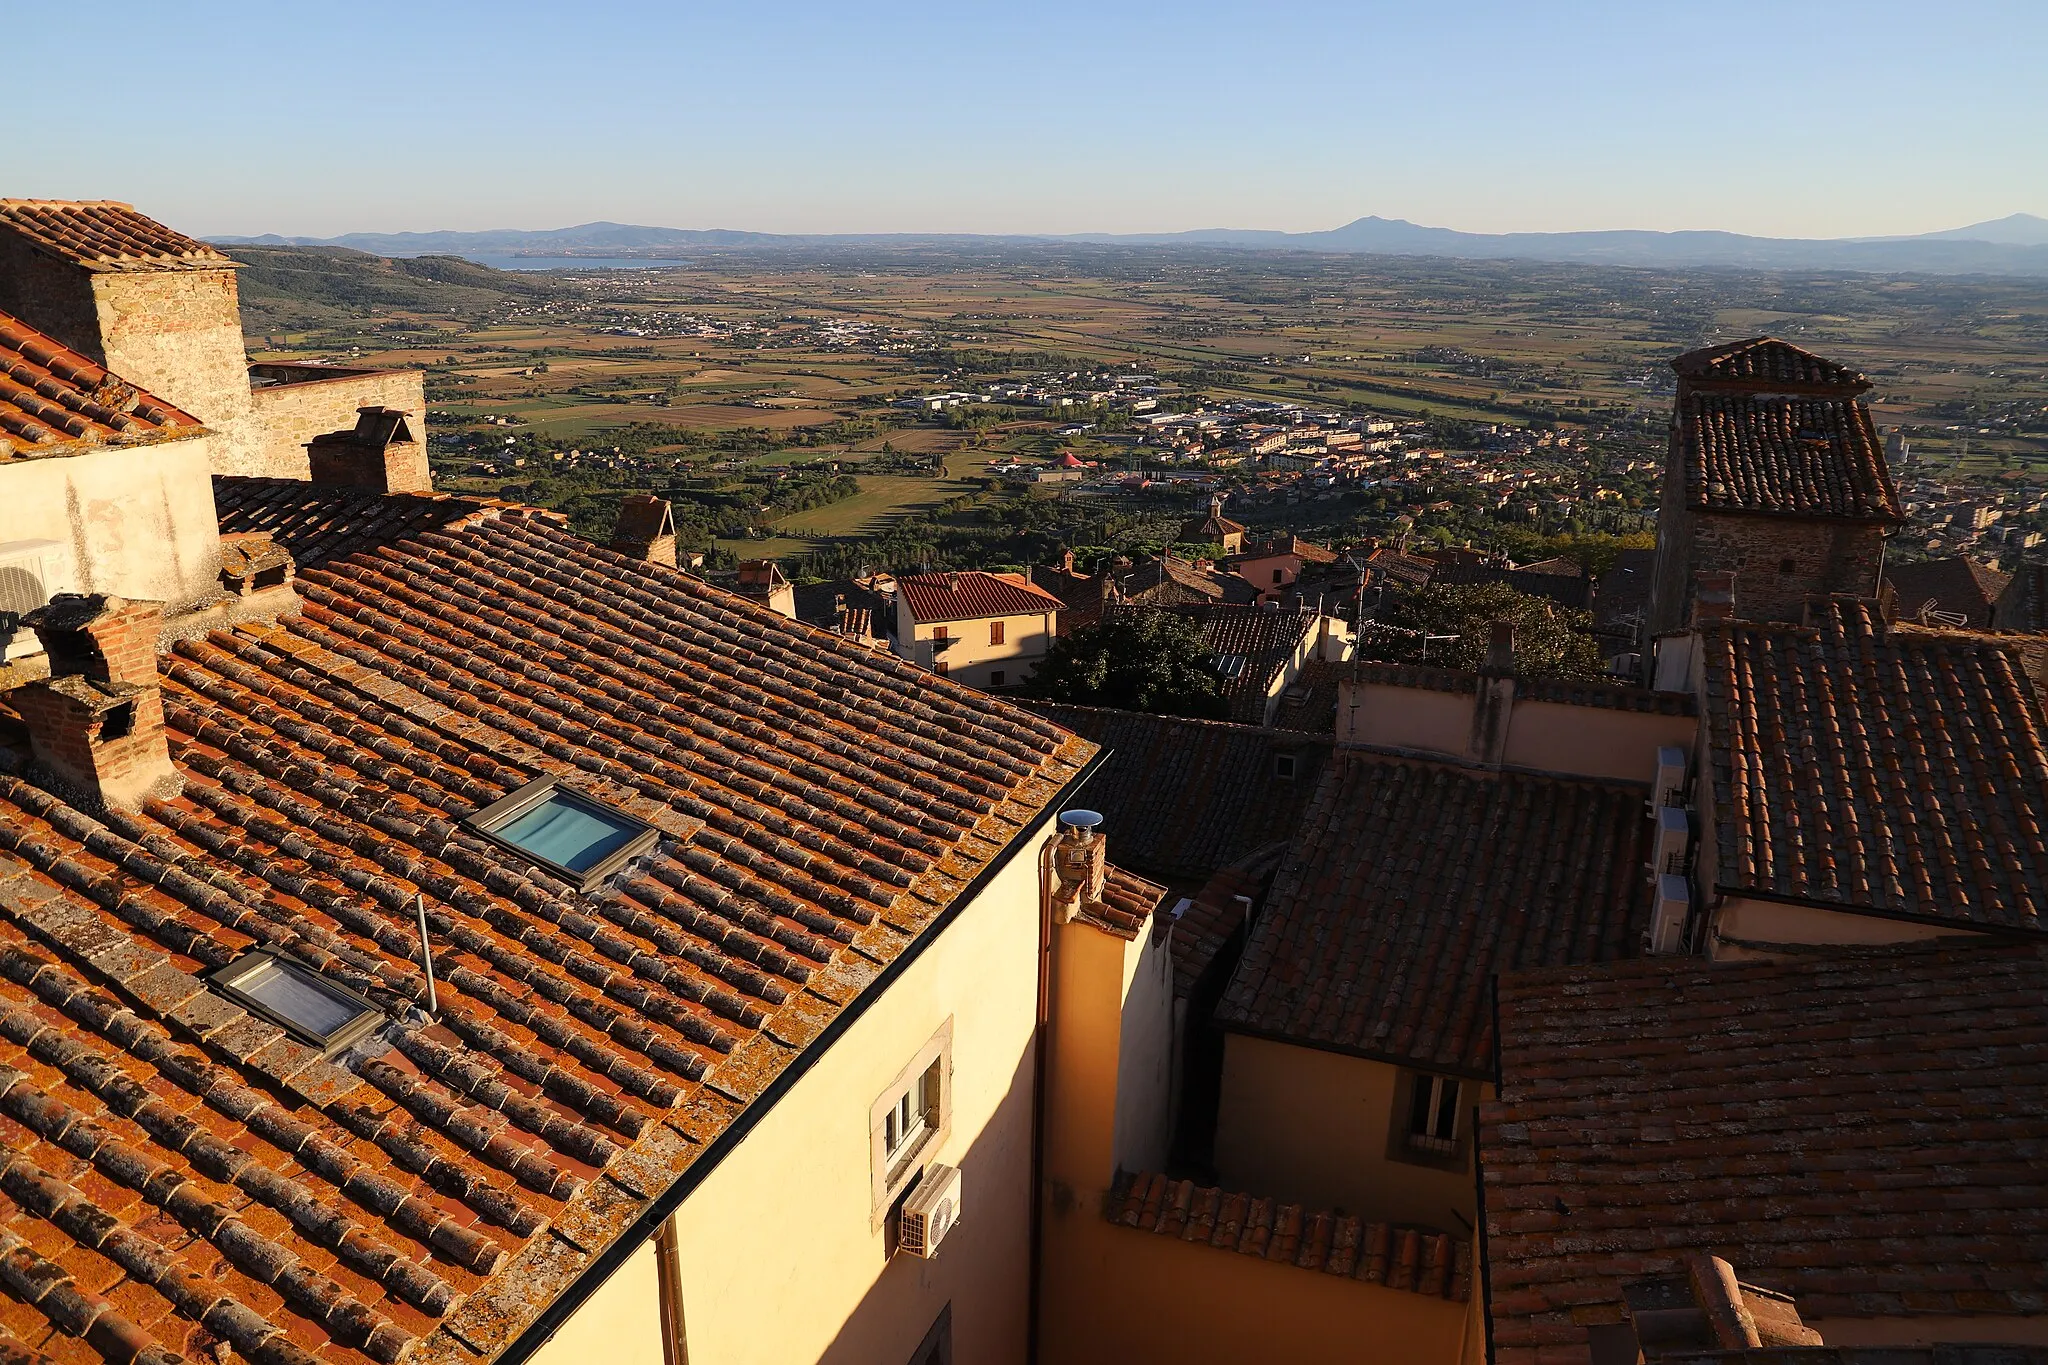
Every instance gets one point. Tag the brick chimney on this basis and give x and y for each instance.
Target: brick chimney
(252, 565)
(96, 724)
(1713, 596)
(645, 530)
(382, 454)
(1080, 864)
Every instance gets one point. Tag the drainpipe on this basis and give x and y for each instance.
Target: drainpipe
(1040, 1040)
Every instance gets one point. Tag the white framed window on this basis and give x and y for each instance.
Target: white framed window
(912, 1113)
(1433, 1115)
(1283, 765)
(910, 1118)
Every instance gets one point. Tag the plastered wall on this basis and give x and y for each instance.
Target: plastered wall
(780, 1257)
(1311, 1127)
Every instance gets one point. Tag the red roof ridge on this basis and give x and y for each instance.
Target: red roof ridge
(1329, 1241)
(108, 235)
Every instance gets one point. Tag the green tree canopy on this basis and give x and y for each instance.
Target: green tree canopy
(1133, 661)
(1550, 641)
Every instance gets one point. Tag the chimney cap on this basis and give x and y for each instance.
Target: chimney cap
(1080, 821)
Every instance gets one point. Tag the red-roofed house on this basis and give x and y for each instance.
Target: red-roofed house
(984, 629)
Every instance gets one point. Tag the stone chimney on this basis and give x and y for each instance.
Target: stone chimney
(382, 454)
(96, 724)
(1713, 596)
(645, 530)
(1493, 705)
(762, 580)
(253, 565)
(1080, 864)
(1702, 1308)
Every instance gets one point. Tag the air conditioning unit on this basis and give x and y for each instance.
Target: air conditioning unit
(1668, 787)
(31, 571)
(930, 1212)
(1672, 842)
(1667, 920)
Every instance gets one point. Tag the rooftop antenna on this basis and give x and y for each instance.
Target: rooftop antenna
(419, 903)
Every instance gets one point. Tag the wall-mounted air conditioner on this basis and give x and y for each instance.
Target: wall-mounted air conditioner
(1667, 920)
(930, 1212)
(1667, 788)
(1672, 843)
(31, 571)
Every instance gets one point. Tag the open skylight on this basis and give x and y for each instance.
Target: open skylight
(572, 835)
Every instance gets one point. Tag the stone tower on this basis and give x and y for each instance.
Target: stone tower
(1775, 478)
(154, 306)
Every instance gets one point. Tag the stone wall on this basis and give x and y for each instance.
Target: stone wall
(320, 399)
(178, 334)
(1779, 562)
(52, 296)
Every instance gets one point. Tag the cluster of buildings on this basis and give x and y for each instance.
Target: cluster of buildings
(429, 936)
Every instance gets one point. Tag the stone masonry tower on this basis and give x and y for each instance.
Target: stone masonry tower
(1775, 477)
(156, 307)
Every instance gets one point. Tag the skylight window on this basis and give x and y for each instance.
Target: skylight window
(571, 835)
(297, 999)
(1229, 665)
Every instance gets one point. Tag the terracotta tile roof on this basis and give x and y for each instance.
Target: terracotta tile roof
(1264, 638)
(1304, 550)
(1310, 701)
(1412, 883)
(1164, 581)
(1329, 1242)
(103, 235)
(971, 594)
(1209, 528)
(1185, 797)
(1813, 456)
(1958, 585)
(1081, 595)
(820, 804)
(1766, 363)
(1862, 1131)
(1574, 591)
(320, 523)
(2024, 603)
(1624, 593)
(1555, 568)
(53, 401)
(1423, 676)
(1901, 772)
(1204, 927)
(1391, 566)
(1127, 905)
(1605, 696)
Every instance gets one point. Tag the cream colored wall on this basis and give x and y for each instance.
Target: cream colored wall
(1762, 922)
(290, 415)
(970, 658)
(618, 1325)
(138, 521)
(1311, 1127)
(1138, 1297)
(780, 1259)
(1414, 718)
(1593, 742)
(1144, 1072)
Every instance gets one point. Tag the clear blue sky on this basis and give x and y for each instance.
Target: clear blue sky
(1785, 117)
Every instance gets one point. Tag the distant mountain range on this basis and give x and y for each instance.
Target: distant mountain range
(2015, 245)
